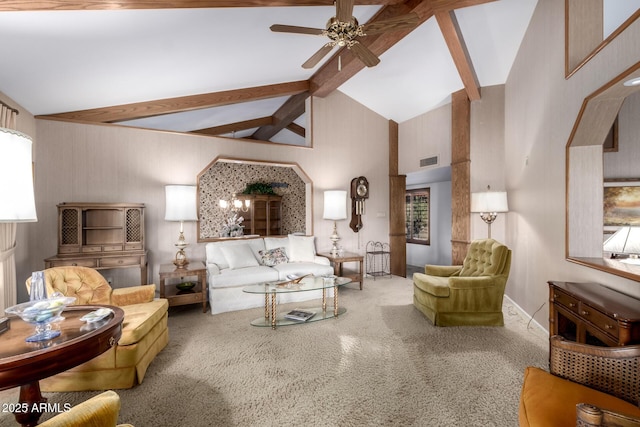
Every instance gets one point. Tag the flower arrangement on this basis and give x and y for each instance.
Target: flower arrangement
(231, 226)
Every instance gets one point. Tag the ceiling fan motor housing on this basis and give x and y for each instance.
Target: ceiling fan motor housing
(343, 33)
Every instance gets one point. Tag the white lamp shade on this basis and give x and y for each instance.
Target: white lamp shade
(17, 202)
(335, 205)
(489, 201)
(180, 203)
(624, 241)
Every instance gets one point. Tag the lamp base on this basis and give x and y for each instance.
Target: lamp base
(335, 238)
(181, 259)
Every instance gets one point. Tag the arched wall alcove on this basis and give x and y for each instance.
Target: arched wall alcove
(585, 174)
(224, 176)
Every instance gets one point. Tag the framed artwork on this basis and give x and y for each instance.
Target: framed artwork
(621, 202)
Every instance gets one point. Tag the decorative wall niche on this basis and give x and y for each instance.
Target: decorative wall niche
(585, 174)
(224, 176)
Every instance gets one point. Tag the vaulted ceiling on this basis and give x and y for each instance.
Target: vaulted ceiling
(214, 67)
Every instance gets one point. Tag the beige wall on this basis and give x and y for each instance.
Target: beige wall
(540, 110)
(101, 163)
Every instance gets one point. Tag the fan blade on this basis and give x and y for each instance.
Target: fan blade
(364, 54)
(316, 57)
(402, 22)
(344, 10)
(298, 30)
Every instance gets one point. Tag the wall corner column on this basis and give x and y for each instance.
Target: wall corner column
(397, 188)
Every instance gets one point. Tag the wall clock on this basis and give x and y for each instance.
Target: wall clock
(359, 192)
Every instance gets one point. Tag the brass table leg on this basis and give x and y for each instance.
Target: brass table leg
(324, 300)
(266, 305)
(335, 301)
(273, 310)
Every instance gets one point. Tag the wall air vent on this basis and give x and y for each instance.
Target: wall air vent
(429, 161)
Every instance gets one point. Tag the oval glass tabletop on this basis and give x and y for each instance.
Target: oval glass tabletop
(309, 283)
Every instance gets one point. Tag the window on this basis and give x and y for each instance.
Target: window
(417, 212)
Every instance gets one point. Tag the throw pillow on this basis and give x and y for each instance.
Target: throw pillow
(274, 257)
(301, 248)
(239, 256)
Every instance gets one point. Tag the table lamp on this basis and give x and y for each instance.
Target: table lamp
(335, 209)
(180, 206)
(18, 204)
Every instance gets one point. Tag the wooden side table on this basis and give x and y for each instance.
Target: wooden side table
(177, 297)
(338, 270)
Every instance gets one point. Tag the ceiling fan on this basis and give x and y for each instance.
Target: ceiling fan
(343, 30)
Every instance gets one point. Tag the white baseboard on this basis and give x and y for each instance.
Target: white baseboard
(527, 315)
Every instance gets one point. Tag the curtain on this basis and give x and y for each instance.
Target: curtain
(8, 294)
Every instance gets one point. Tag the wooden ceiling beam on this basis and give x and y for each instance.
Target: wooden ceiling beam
(458, 49)
(283, 117)
(141, 110)
(33, 5)
(332, 74)
(297, 129)
(235, 127)
(448, 5)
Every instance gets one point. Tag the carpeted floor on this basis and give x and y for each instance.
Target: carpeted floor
(380, 364)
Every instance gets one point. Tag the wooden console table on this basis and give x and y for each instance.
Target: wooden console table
(593, 314)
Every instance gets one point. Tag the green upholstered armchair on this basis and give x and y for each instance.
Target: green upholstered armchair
(468, 294)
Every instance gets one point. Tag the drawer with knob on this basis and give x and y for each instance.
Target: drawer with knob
(599, 320)
(566, 300)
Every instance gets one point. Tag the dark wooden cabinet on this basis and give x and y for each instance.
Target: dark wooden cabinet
(593, 314)
(264, 217)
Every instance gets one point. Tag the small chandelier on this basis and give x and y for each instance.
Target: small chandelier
(235, 204)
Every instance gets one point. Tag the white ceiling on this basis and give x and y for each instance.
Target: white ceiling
(54, 62)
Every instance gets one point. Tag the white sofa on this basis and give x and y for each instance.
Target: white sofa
(236, 263)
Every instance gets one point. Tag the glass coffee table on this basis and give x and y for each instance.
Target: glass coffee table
(306, 284)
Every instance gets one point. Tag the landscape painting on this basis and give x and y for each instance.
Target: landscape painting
(621, 203)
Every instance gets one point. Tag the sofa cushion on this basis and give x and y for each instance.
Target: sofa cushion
(538, 408)
(140, 318)
(239, 256)
(301, 248)
(214, 250)
(243, 276)
(273, 257)
(276, 242)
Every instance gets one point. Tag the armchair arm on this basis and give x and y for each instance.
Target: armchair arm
(133, 295)
(442, 270)
(606, 369)
(592, 416)
(472, 282)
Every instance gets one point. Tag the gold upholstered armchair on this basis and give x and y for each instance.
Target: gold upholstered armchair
(99, 411)
(586, 386)
(468, 294)
(144, 330)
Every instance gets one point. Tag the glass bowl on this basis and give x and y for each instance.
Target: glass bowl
(42, 313)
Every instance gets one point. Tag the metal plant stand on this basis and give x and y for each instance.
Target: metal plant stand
(378, 259)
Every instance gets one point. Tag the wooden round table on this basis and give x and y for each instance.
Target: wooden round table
(24, 363)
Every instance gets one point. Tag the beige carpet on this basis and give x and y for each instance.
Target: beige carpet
(380, 364)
